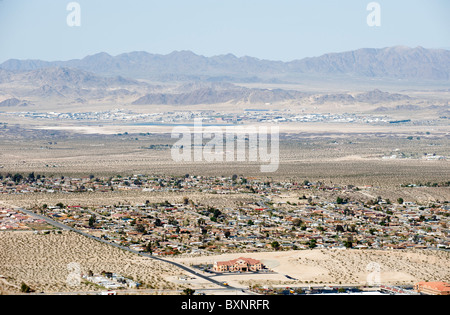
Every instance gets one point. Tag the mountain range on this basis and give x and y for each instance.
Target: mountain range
(203, 80)
(61, 75)
(66, 85)
(399, 62)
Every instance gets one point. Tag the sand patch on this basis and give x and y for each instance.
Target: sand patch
(42, 262)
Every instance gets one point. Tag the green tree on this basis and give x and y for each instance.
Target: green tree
(275, 245)
(92, 220)
(312, 244)
(140, 228)
(31, 177)
(149, 248)
(188, 291)
(17, 178)
(24, 288)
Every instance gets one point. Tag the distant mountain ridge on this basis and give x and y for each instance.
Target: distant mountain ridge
(397, 62)
(55, 76)
(12, 102)
(64, 83)
(214, 93)
(67, 85)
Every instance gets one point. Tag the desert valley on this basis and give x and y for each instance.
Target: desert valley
(87, 174)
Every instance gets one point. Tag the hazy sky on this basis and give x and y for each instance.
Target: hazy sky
(266, 29)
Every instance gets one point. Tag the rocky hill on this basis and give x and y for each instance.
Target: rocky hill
(214, 93)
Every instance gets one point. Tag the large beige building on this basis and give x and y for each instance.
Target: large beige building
(433, 288)
(240, 264)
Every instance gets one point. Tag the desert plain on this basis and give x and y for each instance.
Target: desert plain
(384, 156)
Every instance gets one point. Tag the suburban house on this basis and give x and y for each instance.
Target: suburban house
(433, 288)
(238, 265)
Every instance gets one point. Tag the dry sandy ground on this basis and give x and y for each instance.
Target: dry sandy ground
(93, 199)
(352, 161)
(42, 262)
(339, 267)
(331, 129)
(423, 195)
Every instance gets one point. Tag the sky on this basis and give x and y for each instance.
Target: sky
(267, 29)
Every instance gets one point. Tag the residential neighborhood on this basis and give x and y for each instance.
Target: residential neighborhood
(12, 220)
(266, 223)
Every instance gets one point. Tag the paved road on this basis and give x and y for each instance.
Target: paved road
(183, 267)
(217, 291)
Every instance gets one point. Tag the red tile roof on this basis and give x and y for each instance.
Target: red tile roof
(438, 286)
(249, 261)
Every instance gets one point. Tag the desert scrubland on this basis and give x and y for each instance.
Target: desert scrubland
(380, 156)
(358, 159)
(43, 263)
(338, 267)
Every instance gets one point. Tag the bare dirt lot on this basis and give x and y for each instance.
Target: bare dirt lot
(337, 267)
(42, 262)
